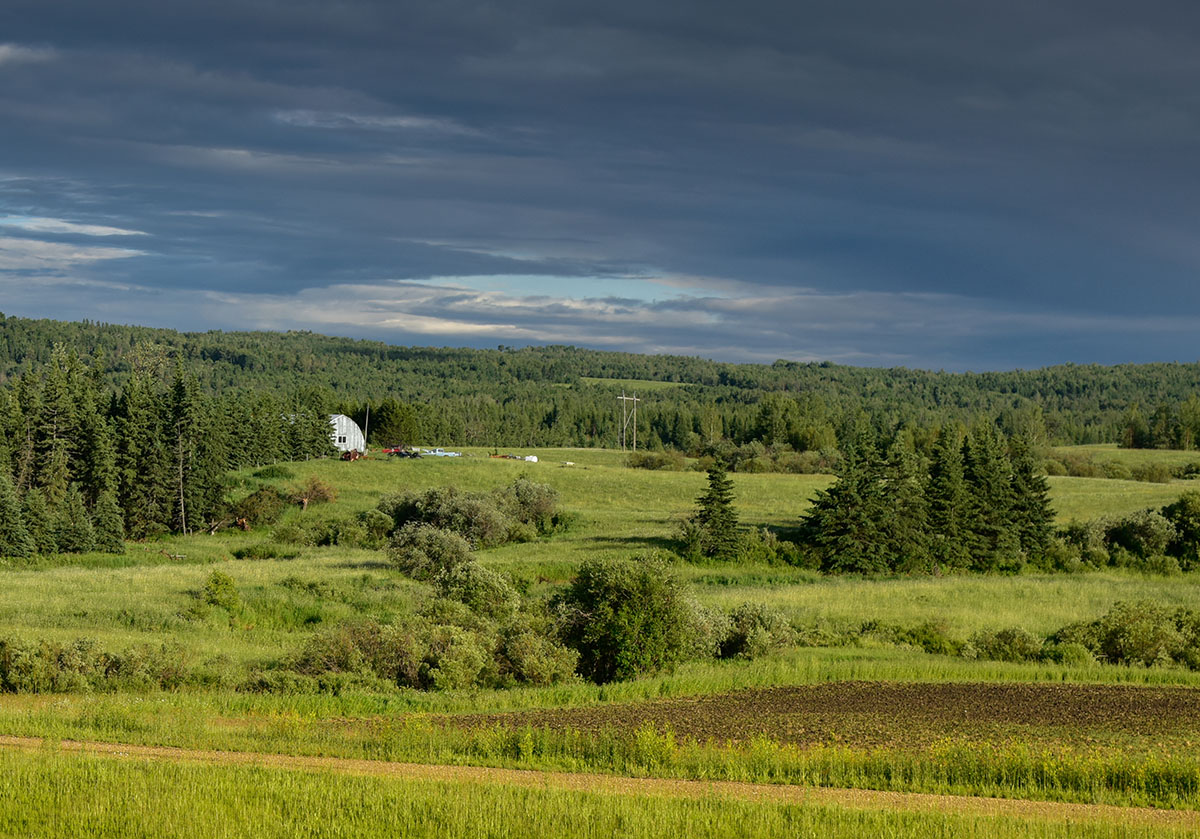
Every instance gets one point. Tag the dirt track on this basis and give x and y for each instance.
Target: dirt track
(606, 784)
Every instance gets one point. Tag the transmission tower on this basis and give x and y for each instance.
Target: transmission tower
(628, 415)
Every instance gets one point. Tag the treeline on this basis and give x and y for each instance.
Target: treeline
(550, 396)
(978, 502)
(1169, 426)
(83, 465)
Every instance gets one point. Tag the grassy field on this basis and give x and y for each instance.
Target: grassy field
(50, 794)
(632, 385)
(1111, 453)
(150, 597)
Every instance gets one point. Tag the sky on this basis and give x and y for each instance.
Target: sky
(943, 185)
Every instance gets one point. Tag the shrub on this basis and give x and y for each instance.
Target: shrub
(377, 527)
(312, 491)
(1184, 516)
(57, 667)
(221, 591)
(754, 631)
(457, 659)
(931, 636)
(669, 461)
(1116, 471)
(530, 503)
(474, 517)
(365, 647)
(625, 618)
(530, 657)
(1144, 533)
(263, 506)
(1144, 633)
(423, 551)
(765, 547)
(263, 550)
(1060, 555)
(1070, 654)
(1013, 644)
(1158, 473)
(482, 590)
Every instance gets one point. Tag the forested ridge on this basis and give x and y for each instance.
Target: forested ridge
(548, 396)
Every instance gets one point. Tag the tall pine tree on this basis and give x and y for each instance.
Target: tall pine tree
(715, 516)
(949, 502)
(991, 535)
(1032, 516)
(15, 540)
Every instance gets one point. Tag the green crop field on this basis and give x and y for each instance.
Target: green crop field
(151, 598)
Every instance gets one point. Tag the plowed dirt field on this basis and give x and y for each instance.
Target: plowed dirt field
(869, 714)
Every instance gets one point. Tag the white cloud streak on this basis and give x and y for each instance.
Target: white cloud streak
(33, 224)
(18, 254)
(335, 120)
(20, 54)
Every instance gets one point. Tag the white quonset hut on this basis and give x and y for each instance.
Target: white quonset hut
(346, 434)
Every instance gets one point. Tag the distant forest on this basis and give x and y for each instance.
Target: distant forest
(549, 396)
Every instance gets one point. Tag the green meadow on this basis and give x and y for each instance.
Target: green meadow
(150, 597)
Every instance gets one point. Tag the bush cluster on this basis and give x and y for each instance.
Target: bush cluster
(264, 506)
(1083, 465)
(630, 617)
(75, 666)
(519, 512)
(1161, 541)
(446, 647)
(1141, 634)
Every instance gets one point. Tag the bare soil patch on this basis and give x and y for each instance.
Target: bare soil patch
(870, 714)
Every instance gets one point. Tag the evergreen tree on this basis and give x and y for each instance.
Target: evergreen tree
(1032, 515)
(109, 524)
(843, 526)
(716, 517)
(38, 522)
(143, 462)
(992, 538)
(904, 525)
(72, 526)
(97, 459)
(15, 540)
(948, 502)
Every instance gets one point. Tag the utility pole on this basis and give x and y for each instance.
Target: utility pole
(628, 415)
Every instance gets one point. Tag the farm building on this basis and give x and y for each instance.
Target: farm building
(346, 434)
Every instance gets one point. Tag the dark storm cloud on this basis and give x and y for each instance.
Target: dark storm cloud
(930, 183)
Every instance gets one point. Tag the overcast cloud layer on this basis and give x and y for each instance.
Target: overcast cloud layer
(933, 184)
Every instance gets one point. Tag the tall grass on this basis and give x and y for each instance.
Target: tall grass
(49, 794)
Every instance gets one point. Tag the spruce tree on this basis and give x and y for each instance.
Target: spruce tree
(15, 540)
(843, 528)
(716, 517)
(1032, 515)
(73, 531)
(992, 538)
(38, 521)
(904, 525)
(108, 524)
(143, 462)
(948, 502)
